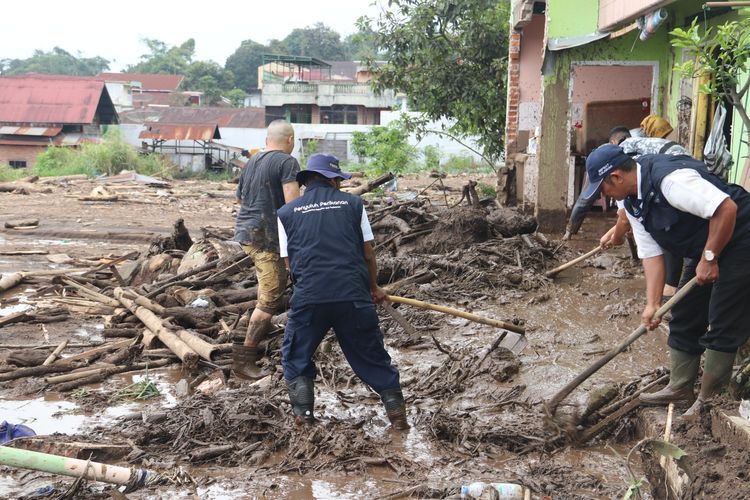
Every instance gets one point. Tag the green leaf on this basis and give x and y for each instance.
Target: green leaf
(666, 449)
(633, 489)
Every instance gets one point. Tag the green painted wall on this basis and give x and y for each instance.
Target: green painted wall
(570, 18)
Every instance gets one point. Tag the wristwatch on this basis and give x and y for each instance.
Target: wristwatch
(709, 255)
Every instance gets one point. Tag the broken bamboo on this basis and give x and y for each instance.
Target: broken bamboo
(637, 333)
(86, 378)
(154, 323)
(573, 262)
(56, 353)
(455, 312)
(73, 467)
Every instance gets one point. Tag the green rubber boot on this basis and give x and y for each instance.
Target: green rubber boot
(682, 376)
(717, 370)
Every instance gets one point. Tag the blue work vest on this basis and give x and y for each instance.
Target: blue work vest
(325, 246)
(681, 233)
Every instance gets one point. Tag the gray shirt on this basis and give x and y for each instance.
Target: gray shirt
(261, 193)
(651, 146)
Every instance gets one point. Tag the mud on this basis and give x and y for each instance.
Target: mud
(476, 409)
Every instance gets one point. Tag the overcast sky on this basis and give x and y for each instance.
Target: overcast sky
(113, 30)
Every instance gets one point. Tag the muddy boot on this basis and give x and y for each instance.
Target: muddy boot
(245, 357)
(681, 381)
(244, 362)
(302, 396)
(395, 408)
(717, 370)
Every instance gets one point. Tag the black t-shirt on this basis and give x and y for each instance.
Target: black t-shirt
(261, 193)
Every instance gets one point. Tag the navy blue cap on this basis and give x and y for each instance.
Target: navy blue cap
(599, 164)
(325, 165)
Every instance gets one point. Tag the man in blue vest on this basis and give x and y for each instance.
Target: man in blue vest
(674, 203)
(327, 242)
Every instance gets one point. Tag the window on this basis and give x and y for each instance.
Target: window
(343, 114)
(17, 163)
(293, 113)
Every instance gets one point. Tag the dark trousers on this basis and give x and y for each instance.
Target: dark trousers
(358, 332)
(673, 265)
(724, 305)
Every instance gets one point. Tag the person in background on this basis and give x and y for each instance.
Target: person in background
(655, 143)
(266, 183)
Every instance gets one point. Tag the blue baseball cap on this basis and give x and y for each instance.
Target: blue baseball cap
(599, 164)
(325, 165)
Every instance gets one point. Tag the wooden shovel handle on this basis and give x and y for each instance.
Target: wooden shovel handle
(455, 312)
(563, 393)
(573, 262)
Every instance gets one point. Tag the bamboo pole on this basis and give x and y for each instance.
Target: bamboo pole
(37, 370)
(201, 347)
(573, 262)
(73, 467)
(154, 323)
(10, 280)
(86, 355)
(76, 374)
(637, 333)
(85, 378)
(56, 353)
(455, 312)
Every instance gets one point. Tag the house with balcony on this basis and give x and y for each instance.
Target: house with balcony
(577, 68)
(309, 90)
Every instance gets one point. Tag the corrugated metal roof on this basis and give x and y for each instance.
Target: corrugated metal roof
(223, 117)
(40, 99)
(147, 81)
(181, 132)
(35, 131)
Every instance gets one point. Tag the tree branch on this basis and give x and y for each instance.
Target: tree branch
(448, 134)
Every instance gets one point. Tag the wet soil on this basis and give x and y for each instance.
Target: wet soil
(476, 412)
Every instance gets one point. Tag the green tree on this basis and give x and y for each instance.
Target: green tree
(55, 62)
(723, 53)
(363, 44)
(244, 64)
(317, 40)
(162, 59)
(386, 147)
(450, 58)
(236, 97)
(209, 78)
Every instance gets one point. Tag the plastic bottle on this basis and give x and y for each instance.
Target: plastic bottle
(745, 409)
(505, 491)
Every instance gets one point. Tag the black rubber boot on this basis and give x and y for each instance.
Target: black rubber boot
(717, 371)
(395, 408)
(244, 362)
(302, 396)
(684, 371)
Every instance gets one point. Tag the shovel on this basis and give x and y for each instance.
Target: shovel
(638, 332)
(514, 339)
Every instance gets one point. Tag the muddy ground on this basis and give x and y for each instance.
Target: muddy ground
(476, 409)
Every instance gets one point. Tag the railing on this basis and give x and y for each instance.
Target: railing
(352, 88)
(299, 88)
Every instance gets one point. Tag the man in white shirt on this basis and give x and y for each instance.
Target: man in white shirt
(674, 203)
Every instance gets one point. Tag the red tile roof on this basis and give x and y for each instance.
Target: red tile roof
(148, 81)
(50, 99)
